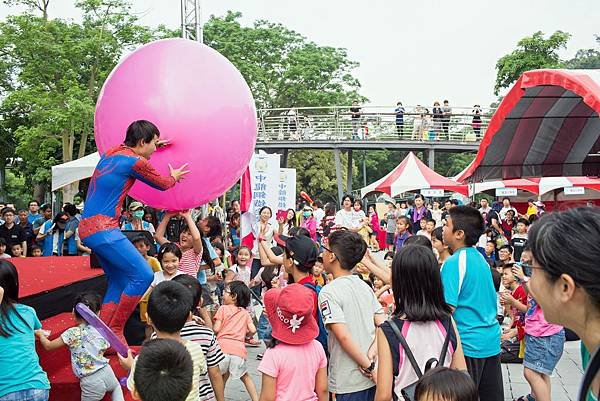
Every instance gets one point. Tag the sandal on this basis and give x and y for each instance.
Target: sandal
(527, 397)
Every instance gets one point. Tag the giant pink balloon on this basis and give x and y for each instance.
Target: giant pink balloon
(199, 101)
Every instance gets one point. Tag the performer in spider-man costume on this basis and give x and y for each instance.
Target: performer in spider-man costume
(128, 274)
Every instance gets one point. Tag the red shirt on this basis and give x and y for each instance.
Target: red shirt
(519, 317)
(310, 280)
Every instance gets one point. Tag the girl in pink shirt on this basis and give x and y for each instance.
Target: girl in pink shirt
(294, 366)
(232, 324)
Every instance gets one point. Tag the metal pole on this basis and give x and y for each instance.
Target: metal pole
(349, 176)
(431, 158)
(199, 22)
(183, 27)
(338, 174)
(364, 166)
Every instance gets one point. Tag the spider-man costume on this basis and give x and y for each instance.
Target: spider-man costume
(128, 274)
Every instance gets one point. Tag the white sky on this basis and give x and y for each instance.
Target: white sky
(412, 51)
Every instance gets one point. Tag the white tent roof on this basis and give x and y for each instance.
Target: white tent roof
(69, 172)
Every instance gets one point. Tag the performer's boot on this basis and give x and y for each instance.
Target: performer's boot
(125, 308)
(107, 311)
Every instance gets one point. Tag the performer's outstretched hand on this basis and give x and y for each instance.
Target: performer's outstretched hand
(162, 143)
(179, 172)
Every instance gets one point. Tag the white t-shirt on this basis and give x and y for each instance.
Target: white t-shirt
(351, 301)
(270, 231)
(159, 277)
(344, 218)
(506, 209)
(319, 214)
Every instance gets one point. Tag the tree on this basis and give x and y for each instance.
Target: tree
(532, 52)
(283, 68)
(315, 172)
(585, 58)
(50, 77)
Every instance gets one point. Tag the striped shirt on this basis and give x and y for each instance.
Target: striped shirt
(206, 339)
(190, 262)
(199, 369)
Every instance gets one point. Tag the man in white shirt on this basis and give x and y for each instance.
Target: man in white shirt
(506, 206)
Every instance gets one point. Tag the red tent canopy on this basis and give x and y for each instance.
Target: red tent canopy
(547, 125)
(412, 175)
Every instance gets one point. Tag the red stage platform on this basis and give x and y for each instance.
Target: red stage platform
(49, 285)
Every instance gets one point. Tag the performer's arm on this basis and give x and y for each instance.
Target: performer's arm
(143, 171)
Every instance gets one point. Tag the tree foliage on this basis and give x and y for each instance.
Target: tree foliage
(283, 68)
(532, 52)
(585, 59)
(50, 77)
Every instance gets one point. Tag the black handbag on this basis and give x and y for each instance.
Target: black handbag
(408, 392)
(588, 378)
(509, 352)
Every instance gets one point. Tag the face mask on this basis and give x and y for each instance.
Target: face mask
(138, 214)
(306, 214)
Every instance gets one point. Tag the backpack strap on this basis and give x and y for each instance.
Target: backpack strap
(588, 377)
(407, 350)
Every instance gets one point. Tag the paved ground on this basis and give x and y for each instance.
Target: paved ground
(565, 379)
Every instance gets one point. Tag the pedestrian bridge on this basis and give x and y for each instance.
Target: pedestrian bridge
(345, 129)
(372, 127)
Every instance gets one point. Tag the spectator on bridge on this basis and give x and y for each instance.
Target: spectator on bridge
(355, 113)
(438, 117)
(447, 112)
(476, 122)
(399, 119)
(292, 120)
(418, 117)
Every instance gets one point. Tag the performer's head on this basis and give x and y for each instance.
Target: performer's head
(142, 136)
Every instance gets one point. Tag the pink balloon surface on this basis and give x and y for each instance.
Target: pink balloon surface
(199, 101)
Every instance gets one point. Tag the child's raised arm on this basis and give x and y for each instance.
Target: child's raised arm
(49, 345)
(194, 232)
(159, 235)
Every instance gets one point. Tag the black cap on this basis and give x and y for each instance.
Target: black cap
(303, 249)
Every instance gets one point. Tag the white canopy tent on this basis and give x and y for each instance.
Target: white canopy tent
(70, 172)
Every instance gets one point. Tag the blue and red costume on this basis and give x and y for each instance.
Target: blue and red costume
(128, 274)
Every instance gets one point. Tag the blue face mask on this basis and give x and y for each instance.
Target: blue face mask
(306, 214)
(138, 214)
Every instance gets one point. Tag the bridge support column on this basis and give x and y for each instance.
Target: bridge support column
(431, 158)
(349, 171)
(284, 158)
(338, 173)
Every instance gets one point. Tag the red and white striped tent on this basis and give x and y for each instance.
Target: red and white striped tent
(412, 175)
(534, 185)
(546, 126)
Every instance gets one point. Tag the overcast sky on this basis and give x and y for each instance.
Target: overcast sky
(413, 51)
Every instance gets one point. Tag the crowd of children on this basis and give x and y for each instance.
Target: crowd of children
(433, 321)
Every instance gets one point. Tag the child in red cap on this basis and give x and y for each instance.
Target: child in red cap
(294, 366)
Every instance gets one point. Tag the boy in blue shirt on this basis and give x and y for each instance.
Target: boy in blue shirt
(469, 290)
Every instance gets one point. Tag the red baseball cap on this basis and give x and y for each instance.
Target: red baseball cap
(290, 312)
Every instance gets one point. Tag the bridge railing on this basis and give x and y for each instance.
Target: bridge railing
(372, 123)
